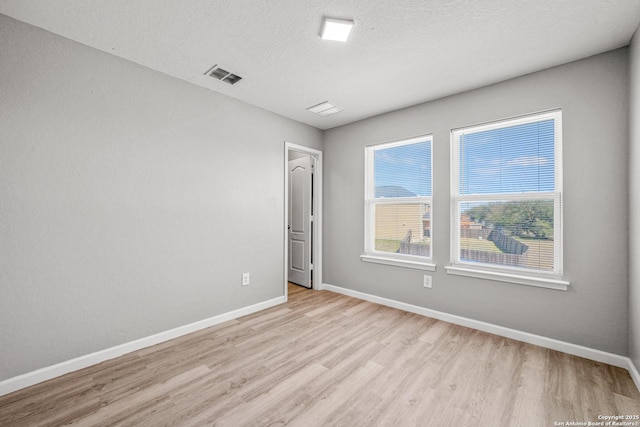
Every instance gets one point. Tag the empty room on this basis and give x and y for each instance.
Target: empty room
(320, 213)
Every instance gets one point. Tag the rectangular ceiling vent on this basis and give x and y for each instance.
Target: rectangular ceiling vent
(325, 108)
(220, 73)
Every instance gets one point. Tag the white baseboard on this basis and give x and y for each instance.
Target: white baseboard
(633, 371)
(30, 378)
(565, 347)
(16, 383)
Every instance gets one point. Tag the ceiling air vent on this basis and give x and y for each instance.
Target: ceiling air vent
(324, 108)
(221, 74)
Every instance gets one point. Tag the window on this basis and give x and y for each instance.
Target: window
(398, 203)
(506, 200)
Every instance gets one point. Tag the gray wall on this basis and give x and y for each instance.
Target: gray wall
(593, 94)
(634, 204)
(130, 202)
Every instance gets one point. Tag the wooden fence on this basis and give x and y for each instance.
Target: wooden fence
(409, 248)
(507, 244)
(498, 258)
(468, 233)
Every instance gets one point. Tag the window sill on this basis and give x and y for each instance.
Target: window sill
(398, 262)
(541, 282)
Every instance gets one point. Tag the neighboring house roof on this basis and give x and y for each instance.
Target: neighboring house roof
(393, 191)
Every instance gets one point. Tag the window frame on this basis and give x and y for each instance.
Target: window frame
(370, 202)
(548, 279)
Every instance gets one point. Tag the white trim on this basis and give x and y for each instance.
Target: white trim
(507, 197)
(510, 121)
(633, 372)
(317, 223)
(31, 378)
(370, 202)
(398, 262)
(541, 282)
(34, 377)
(553, 344)
(556, 196)
(402, 141)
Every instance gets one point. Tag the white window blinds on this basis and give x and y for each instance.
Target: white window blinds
(398, 199)
(506, 189)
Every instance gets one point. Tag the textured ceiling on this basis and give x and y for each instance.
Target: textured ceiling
(400, 53)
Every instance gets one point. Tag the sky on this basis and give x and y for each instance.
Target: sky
(498, 161)
(407, 166)
(508, 160)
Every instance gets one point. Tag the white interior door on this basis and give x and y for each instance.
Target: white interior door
(300, 221)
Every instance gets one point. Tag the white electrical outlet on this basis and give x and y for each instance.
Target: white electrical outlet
(246, 279)
(426, 281)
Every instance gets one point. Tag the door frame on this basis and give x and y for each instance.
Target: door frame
(316, 238)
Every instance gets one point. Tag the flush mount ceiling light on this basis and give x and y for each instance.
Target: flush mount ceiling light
(336, 29)
(324, 108)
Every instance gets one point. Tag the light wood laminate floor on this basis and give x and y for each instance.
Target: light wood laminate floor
(325, 359)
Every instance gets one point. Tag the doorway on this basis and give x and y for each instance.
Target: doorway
(303, 217)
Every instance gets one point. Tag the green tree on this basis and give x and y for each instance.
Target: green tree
(479, 213)
(529, 218)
